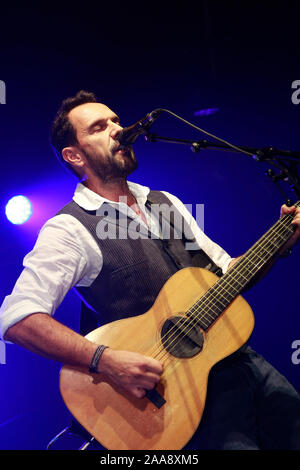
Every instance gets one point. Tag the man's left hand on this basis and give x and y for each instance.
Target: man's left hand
(296, 222)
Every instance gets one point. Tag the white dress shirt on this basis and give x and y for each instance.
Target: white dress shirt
(66, 255)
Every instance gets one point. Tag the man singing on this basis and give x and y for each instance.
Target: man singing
(249, 404)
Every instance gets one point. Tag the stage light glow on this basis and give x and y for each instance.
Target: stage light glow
(206, 112)
(18, 210)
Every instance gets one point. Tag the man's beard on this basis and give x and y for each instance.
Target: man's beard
(115, 166)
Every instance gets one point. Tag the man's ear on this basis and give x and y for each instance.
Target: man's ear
(73, 156)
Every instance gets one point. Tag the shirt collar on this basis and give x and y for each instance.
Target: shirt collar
(91, 201)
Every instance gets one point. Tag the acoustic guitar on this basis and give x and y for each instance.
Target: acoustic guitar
(196, 320)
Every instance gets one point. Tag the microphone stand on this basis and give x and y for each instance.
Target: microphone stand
(285, 161)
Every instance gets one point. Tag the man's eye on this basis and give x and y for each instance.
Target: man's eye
(99, 128)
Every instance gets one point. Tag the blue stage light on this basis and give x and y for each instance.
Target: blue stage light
(206, 112)
(18, 210)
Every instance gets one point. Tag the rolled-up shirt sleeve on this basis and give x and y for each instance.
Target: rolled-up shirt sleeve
(57, 262)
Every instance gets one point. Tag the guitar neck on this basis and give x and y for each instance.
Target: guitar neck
(207, 309)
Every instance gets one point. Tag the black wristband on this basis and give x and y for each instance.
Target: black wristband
(93, 368)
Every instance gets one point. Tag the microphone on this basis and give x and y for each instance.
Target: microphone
(128, 135)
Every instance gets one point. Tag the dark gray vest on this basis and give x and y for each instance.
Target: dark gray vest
(136, 264)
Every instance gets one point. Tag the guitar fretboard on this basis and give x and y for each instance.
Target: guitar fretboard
(208, 308)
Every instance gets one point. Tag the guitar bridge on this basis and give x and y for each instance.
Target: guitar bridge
(155, 397)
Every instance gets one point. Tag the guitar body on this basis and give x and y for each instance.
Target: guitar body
(119, 421)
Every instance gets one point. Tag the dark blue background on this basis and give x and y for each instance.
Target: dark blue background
(182, 56)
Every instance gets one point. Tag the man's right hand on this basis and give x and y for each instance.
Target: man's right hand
(132, 371)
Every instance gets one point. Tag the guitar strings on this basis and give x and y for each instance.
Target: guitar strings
(244, 262)
(209, 302)
(266, 236)
(254, 263)
(191, 309)
(223, 288)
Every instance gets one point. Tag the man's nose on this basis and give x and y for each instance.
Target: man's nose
(115, 129)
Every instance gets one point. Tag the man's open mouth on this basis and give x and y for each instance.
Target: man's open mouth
(122, 149)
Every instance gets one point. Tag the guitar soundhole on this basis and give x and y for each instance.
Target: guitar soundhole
(180, 338)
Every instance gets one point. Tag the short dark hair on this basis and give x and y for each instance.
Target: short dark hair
(63, 133)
